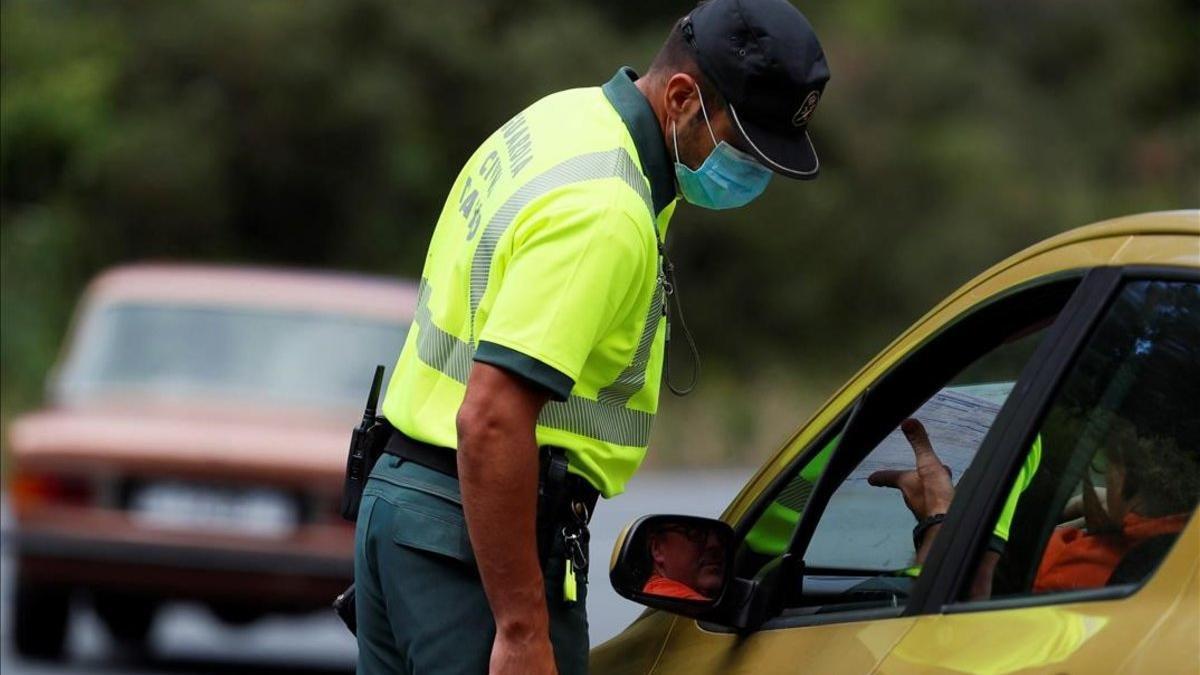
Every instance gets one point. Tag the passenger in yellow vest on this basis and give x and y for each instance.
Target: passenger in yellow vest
(541, 324)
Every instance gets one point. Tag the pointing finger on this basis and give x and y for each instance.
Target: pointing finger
(918, 438)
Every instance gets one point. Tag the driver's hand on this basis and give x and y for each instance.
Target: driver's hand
(1096, 517)
(927, 490)
(1075, 509)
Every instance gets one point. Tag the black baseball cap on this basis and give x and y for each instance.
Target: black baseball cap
(763, 57)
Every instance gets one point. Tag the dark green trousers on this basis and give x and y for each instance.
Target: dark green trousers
(420, 602)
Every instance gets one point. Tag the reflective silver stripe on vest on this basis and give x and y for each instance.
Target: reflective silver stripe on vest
(606, 420)
(438, 349)
(615, 163)
(633, 378)
(600, 420)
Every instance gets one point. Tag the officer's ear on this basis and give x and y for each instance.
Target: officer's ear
(681, 97)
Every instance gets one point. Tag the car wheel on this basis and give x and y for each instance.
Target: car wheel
(128, 619)
(40, 620)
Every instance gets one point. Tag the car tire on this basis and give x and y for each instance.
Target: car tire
(128, 620)
(40, 620)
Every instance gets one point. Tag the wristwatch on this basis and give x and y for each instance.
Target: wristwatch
(923, 527)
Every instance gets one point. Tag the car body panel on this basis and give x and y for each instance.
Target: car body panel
(840, 647)
(256, 287)
(1093, 636)
(281, 447)
(118, 442)
(1063, 630)
(637, 649)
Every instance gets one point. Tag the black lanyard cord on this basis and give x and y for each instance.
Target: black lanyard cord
(672, 292)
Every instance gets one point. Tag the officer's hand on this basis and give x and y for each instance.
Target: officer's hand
(927, 490)
(521, 655)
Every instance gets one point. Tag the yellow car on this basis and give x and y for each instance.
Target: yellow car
(1053, 404)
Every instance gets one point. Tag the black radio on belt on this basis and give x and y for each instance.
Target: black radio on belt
(366, 444)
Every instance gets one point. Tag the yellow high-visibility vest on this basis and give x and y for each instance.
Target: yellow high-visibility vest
(546, 261)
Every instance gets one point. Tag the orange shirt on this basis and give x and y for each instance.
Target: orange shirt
(669, 588)
(1075, 559)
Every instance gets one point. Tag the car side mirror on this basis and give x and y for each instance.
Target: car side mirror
(682, 564)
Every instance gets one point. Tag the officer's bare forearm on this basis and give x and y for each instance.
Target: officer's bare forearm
(498, 471)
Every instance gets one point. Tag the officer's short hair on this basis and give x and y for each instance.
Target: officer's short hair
(677, 56)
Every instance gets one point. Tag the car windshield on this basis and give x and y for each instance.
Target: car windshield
(236, 353)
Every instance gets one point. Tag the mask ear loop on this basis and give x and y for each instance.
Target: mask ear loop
(675, 141)
(708, 124)
(703, 111)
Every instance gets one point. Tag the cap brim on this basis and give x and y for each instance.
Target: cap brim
(792, 156)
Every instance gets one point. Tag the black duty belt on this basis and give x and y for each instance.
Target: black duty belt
(565, 501)
(445, 461)
(441, 460)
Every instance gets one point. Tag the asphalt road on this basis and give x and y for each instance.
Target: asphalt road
(186, 639)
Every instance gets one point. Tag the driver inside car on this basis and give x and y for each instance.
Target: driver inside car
(1150, 488)
(1117, 520)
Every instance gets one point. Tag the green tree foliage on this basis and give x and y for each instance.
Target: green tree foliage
(326, 134)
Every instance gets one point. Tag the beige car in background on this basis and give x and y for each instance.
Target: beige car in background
(193, 446)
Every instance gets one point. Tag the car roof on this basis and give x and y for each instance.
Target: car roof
(1090, 246)
(260, 287)
(1182, 222)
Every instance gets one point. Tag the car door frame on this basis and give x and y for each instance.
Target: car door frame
(946, 567)
(952, 557)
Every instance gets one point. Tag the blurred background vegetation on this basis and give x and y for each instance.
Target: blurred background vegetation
(324, 134)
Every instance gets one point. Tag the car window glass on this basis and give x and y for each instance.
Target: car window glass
(866, 526)
(860, 552)
(772, 531)
(238, 353)
(1118, 475)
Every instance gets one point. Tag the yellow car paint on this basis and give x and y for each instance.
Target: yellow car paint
(1157, 629)
(1084, 637)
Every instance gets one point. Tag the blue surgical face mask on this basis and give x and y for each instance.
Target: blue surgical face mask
(727, 179)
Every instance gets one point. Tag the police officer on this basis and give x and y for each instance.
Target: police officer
(541, 324)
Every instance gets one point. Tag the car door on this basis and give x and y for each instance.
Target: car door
(848, 590)
(1109, 586)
